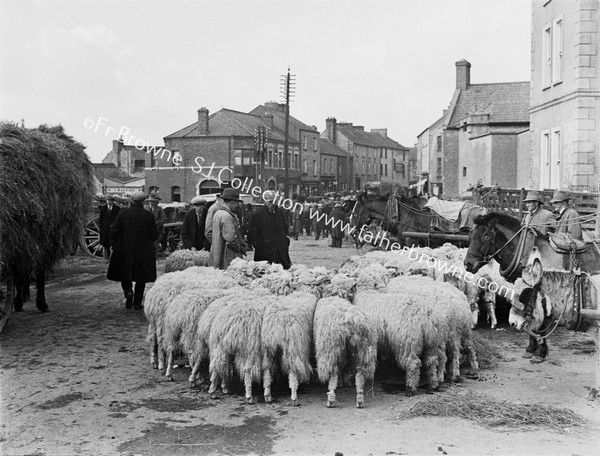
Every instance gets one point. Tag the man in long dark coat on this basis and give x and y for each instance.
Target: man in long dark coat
(134, 258)
(108, 215)
(337, 218)
(192, 229)
(268, 232)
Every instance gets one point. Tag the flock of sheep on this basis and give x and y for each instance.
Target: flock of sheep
(254, 320)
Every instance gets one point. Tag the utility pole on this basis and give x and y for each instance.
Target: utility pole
(287, 89)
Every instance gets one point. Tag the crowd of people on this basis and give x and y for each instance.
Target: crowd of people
(228, 230)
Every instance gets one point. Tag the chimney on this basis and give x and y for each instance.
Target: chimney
(381, 131)
(267, 118)
(331, 125)
(203, 121)
(463, 74)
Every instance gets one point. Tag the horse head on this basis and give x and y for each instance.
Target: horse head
(529, 309)
(495, 235)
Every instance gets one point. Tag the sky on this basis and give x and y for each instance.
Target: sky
(144, 68)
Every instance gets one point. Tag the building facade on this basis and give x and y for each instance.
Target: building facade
(477, 138)
(564, 150)
(374, 155)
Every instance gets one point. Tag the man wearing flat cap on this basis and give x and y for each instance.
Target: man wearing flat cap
(133, 259)
(537, 217)
(227, 242)
(268, 233)
(192, 229)
(108, 215)
(568, 218)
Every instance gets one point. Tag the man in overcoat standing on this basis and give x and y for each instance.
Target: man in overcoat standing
(192, 229)
(108, 215)
(227, 242)
(268, 233)
(133, 259)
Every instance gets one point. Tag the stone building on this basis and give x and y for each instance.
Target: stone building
(564, 150)
(375, 156)
(477, 138)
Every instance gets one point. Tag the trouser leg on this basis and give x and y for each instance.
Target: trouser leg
(138, 295)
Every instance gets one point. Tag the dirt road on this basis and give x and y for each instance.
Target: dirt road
(77, 381)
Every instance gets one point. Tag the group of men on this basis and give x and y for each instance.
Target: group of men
(131, 239)
(564, 220)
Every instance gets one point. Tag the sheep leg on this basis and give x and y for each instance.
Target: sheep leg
(333, 381)
(170, 361)
(441, 365)
(293, 382)
(413, 371)
(491, 313)
(214, 379)
(248, 386)
(224, 386)
(431, 368)
(153, 346)
(454, 362)
(360, 389)
(194, 374)
(267, 380)
(471, 357)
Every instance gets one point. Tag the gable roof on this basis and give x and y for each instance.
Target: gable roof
(328, 148)
(278, 112)
(505, 102)
(364, 138)
(227, 122)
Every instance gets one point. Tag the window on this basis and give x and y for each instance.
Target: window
(237, 157)
(556, 156)
(270, 159)
(439, 166)
(381, 169)
(557, 50)
(545, 159)
(464, 171)
(176, 194)
(438, 143)
(386, 169)
(209, 186)
(248, 157)
(546, 56)
(139, 165)
(153, 190)
(305, 166)
(305, 142)
(314, 167)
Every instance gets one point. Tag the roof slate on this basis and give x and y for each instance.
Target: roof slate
(505, 102)
(227, 122)
(365, 138)
(328, 148)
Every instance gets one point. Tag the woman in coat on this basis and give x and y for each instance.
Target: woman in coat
(297, 223)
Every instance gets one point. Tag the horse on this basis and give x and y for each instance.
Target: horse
(550, 287)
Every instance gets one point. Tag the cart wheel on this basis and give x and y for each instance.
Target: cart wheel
(91, 239)
(173, 241)
(7, 295)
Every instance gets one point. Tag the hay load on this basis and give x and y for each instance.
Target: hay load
(46, 192)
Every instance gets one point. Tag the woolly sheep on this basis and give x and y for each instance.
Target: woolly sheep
(345, 339)
(451, 313)
(286, 338)
(405, 327)
(164, 290)
(180, 260)
(198, 347)
(181, 321)
(245, 271)
(235, 341)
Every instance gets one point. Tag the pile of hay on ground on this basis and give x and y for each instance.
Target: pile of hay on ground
(492, 412)
(488, 357)
(46, 193)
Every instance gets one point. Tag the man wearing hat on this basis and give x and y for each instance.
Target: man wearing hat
(133, 259)
(268, 233)
(108, 215)
(192, 229)
(538, 217)
(210, 214)
(159, 218)
(227, 242)
(568, 218)
(338, 217)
